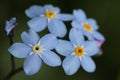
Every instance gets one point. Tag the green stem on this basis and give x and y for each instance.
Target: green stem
(8, 77)
(12, 58)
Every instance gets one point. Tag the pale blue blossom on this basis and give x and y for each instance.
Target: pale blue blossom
(78, 52)
(88, 26)
(36, 50)
(50, 16)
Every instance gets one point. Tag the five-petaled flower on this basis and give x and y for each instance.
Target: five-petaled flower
(78, 52)
(35, 50)
(9, 26)
(88, 26)
(48, 16)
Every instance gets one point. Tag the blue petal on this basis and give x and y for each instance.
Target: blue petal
(77, 25)
(50, 58)
(64, 47)
(37, 24)
(93, 23)
(30, 38)
(71, 64)
(80, 15)
(32, 64)
(98, 36)
(88, 64)
(91, 47)
(76, 36)
(65, 17)
(50, 7)
(19, 50)
(34, 11)
(49, 41)
(88, 35)
(57, 28)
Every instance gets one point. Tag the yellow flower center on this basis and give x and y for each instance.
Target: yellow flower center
(50, 14)
(87, 27)
(79, 51)
(37, 49)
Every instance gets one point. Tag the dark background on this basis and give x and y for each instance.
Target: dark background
(107, 14)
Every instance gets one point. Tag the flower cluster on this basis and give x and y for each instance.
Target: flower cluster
(84, 40)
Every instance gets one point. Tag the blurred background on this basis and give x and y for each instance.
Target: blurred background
(107, 14)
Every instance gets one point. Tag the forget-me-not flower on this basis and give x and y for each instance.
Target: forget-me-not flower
(50, 16)
(36, 50)
(78, 52)
(9, 26)
(88, 26)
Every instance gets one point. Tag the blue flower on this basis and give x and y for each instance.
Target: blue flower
(48, 16)
(35, 50)
(78, 52)
(88, 26)
(9, 26)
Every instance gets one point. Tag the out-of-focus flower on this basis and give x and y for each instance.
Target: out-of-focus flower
(78, 52)
(99, 42)
(88, 26)
(9, 26)
(35, 50)
(48, 16)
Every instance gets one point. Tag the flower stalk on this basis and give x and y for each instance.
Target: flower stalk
(12, 73)
(10, 36)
